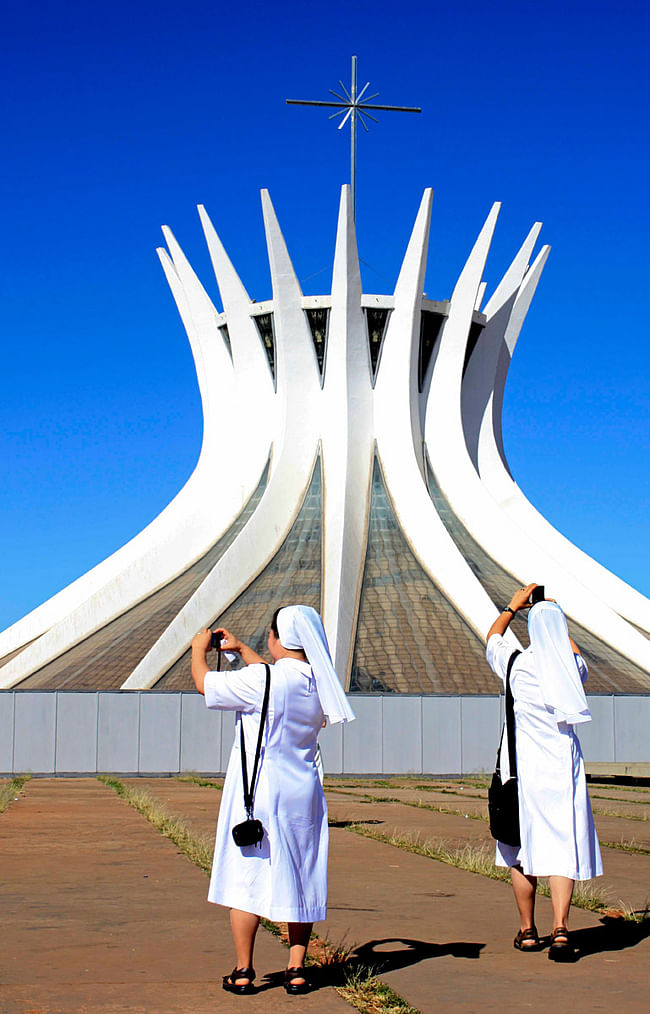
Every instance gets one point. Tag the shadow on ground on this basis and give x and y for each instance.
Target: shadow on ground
(376, 958)
(613, 934)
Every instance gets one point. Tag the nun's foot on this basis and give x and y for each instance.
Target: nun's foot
(526, 940)
(560, 949)
(295, 982)
(240, 981)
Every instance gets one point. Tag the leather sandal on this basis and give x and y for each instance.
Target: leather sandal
(526, 940)
(560, 949)
(241, 988)
(292, 987)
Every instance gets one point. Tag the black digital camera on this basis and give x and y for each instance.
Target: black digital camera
(537, 595)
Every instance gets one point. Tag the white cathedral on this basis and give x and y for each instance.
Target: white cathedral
(365, 475)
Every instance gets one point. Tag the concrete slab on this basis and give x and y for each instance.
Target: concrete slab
(102, 914)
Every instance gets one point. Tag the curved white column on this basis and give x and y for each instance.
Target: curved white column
(491, 462)
(347, 440)
(469, 498)
(297, 396)
(400, 447)
(181, 534)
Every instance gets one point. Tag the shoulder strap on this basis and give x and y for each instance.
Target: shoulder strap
(510, 718)
(250, 789)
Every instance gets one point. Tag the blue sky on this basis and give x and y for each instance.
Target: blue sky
(121, 118)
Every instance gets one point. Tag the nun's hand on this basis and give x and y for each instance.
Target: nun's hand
(202, 640)
(520, 598)
(229, 642)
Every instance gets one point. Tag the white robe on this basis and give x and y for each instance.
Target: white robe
(286, 879)
(558, 837)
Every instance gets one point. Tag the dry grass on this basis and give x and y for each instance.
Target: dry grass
(197, 848)
(9, 791)
(476, 859)
(368, 994)
(627, 846)
(600, 811)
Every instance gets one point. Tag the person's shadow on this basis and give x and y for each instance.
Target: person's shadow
(366, 960)
(613, 934)
(376, 957)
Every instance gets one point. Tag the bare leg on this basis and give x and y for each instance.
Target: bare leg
(299, 934)
(244, 927)
(561, 894)
(524, 888)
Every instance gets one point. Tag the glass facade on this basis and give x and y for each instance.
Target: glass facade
(292, 576)
(107, 658)
(410, 639)
(609, 672)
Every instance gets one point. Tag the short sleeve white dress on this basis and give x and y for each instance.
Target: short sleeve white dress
(286, 879)
(558, 837)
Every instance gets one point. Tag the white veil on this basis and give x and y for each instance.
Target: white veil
(555, 664)
(301, 628)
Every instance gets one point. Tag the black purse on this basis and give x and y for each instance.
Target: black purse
(503, 797)
(251, 831)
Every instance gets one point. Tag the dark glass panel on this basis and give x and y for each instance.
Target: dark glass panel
(474, 335)
(318, 322)
(376, 321)
(430, 327)
(265, 327)
(225, 334)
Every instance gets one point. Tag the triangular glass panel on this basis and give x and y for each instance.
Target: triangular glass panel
(474, 335)
(318, 322)
(376, 321)
(430, 326)
(225, 334)
(264, 324)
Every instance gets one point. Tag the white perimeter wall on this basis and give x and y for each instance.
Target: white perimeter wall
(60, 732)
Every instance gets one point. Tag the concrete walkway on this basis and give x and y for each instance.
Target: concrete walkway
(102, 914)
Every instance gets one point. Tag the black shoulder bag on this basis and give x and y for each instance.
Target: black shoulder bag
(503, 797)
(251, 831)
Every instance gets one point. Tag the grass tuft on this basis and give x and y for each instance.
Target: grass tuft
(10, 791)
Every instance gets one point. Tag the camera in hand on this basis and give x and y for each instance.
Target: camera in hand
(537, 595)
(215, 640)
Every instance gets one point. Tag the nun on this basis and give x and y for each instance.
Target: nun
(558, 838)
(284, 877)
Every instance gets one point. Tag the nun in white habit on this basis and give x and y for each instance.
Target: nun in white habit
(286, 878)
(558, 838)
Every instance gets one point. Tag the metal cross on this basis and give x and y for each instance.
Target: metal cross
(350, 106)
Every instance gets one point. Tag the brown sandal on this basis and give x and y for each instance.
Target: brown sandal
(526, 940)
(560, 949)
(293, 987)
(231, 985)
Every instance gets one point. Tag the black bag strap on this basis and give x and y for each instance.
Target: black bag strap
(250, 789)
(510, 720)
(509, 723)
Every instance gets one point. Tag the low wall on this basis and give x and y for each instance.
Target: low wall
(122, 732)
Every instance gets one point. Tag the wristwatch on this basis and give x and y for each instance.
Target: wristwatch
(508, 609)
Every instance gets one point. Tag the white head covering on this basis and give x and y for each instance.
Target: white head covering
(555, 664)
(301, 628)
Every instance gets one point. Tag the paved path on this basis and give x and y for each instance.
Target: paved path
(442, 937)
(101, 914)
